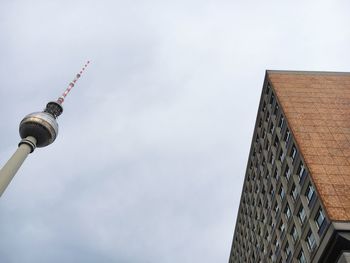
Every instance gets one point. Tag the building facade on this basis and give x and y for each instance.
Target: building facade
(295, 202)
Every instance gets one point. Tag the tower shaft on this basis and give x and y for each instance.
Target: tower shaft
(37, 129)
(25, 147)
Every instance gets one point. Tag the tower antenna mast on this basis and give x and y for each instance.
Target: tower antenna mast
(60, 100)
(37, 129)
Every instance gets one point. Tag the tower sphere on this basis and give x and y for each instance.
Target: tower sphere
(37, 129)
(41, 125)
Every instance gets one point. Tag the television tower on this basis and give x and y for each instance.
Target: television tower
(37, 129)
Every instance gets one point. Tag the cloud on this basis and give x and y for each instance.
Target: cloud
(153, 142)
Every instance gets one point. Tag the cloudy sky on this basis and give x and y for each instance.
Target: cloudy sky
(153, 143)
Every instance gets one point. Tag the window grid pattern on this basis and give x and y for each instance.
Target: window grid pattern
(268, 223)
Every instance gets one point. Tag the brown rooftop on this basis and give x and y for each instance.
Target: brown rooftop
(317, 107)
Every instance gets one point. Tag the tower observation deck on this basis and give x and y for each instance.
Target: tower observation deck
(37, 129)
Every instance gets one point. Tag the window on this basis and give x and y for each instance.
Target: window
(267, 89)
(250, 165)
(281, 192)
(277, 244)
(301, 257)
(269, 220)
(287, 172)
(276, 142)
(281, 122)
(294, 192)
(288, 251)
(294, 152)
(282, 228)
(287, 212)
(267, 116)
(294, 234)
(276, 208)
(311, 241)
(272, 159)
(257, 188)
(272, 128)
(319, 218)
(276, 109)
(310, 191)
(253, 176)
(272, 99)
(266, 235)
(277, 174)
(257, 138)
(301, 171)
(301, 214)
(267, 206)
(287, 136)
(281, 156)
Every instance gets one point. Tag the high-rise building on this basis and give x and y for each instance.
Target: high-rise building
(295, 202)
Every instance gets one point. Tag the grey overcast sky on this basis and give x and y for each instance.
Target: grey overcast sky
(153, 143)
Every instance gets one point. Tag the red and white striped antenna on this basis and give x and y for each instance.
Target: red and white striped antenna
(60, 100)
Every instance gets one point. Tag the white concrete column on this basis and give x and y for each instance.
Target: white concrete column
(25, 147)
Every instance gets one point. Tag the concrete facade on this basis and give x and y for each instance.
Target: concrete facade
(289, 201)
(344, 258)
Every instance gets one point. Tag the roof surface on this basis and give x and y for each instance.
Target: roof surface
(317, 108)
